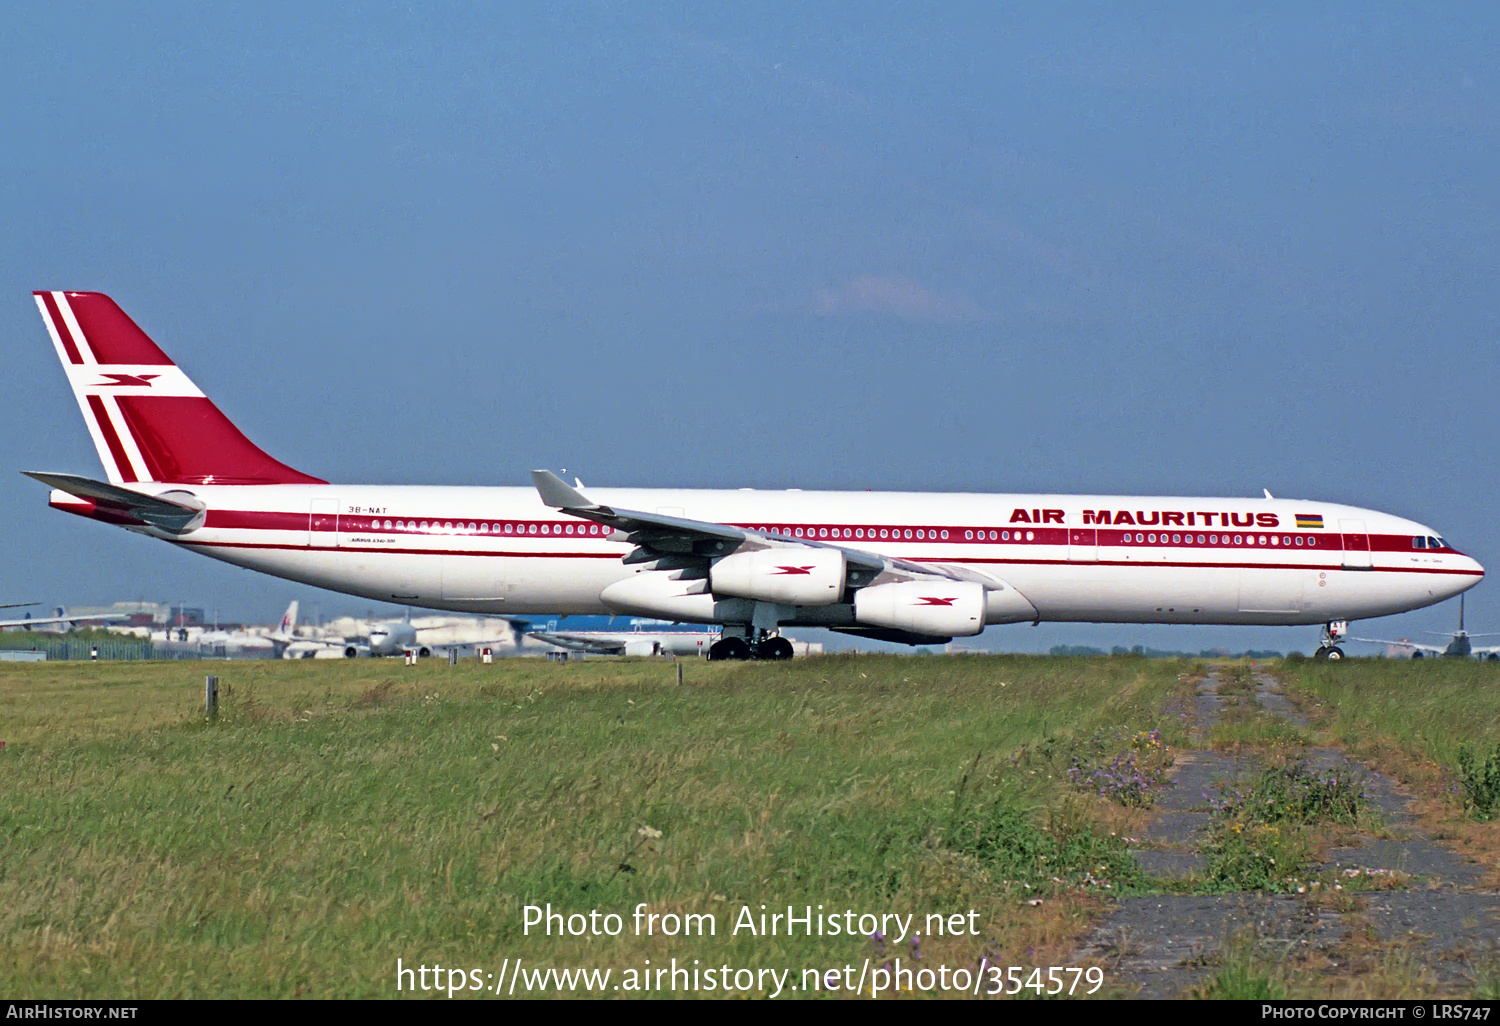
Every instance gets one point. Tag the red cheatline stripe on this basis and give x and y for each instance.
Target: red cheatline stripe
(111, 439)
(1137, 565)
(1088, 537)
(60, 327)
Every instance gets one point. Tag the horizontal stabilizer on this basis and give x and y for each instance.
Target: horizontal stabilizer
(178, 516)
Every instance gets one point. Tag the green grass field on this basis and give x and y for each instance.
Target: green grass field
(342, 815)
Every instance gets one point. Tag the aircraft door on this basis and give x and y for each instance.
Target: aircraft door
(1083, 545)
(322, 524)
(1356, 545)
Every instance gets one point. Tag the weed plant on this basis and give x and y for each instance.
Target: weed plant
(1258, 841)
(1043, 857)
(1294, 793)
(1123, 767)
(1480, 777)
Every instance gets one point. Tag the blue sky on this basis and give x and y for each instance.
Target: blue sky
(1177, 249)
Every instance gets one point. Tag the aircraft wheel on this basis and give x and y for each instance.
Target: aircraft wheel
(1418, 655)
(1334, 653)
(1493, 657)
(729, 648)
(424, 652)
(774, 648)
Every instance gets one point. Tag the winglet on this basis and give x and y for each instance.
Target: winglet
(556, 492)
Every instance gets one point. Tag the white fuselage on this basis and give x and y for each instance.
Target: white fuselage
(1122, 559)
(391, 637)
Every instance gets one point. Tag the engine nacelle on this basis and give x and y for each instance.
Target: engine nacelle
(640, 648)
(659, 594)
(786, 576)
(940, 608)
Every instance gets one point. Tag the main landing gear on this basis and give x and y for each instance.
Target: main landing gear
(1333, 632)
(756, 645)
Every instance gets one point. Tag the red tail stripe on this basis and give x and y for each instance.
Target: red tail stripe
(61, 327)
(111, 438)
(188, 439)
(110, 333)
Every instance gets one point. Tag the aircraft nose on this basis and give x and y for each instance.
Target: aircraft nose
(1469, 574)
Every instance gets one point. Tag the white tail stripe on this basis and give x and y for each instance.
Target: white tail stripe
(106, 457)
(127, 440)
(96, 433)
(108, 379)
(57, 342)
(84, 352)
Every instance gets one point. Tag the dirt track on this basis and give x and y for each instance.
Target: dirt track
(1430, 931)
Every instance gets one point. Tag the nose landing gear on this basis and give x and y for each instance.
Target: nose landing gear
(1333, 632)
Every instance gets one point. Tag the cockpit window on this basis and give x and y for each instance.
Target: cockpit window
(1419, 543)
(1436, 543)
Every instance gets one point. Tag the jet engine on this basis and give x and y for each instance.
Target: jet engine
(940, 608)
(787, 576)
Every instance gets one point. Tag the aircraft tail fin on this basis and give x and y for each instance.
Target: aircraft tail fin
(149, 422)
(288, 620)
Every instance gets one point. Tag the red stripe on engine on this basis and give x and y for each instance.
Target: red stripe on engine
(111, 439)
(59, 326)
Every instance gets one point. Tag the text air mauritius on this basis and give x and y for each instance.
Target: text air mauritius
(902, 566)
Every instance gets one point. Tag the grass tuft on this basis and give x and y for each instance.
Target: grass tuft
(1480, 777)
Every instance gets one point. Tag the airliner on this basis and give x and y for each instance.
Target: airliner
(910, 567)
(230, 644)
(1460, 643)
(395, 637)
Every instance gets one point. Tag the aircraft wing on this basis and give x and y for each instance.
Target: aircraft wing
(677, 543)
(291, 639)
(37, 621)
(1418, 646)
(578, 643)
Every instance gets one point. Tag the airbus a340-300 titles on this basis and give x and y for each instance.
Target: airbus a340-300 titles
(909, 567)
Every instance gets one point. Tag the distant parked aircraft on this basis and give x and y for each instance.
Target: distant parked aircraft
(1458, 646)
(392, 637)
(230, 644)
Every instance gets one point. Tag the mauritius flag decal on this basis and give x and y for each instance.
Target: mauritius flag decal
(1309, 521)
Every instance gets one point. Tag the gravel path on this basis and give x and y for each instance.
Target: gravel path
(1437, 926)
